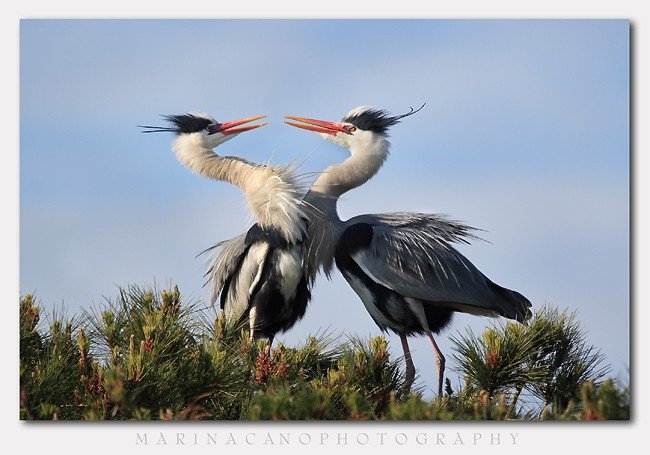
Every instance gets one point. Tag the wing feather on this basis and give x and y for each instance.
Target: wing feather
(412, 254)
(225, 260)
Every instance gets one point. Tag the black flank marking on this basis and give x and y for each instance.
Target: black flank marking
(300, 301)
(438, 318)
(276, 314)
(272, 236)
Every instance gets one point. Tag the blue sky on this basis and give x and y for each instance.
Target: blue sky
(525, 135)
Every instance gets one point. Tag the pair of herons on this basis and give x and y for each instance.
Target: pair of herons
(402, 265)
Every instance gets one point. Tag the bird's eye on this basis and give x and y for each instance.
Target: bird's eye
(212, 128)
(351, 129)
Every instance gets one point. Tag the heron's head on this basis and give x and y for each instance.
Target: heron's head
(203, 129)
(357, 129)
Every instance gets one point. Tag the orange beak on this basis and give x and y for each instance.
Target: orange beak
(231, 127)
(317, 126)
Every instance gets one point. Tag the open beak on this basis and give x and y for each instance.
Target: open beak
(318, 126)
(231, 127)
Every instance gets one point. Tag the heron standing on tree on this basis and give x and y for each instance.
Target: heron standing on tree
(257, 276)
(402, 265)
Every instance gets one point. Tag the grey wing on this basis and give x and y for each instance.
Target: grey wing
(224, 261)
(411, 253)
(235, 271)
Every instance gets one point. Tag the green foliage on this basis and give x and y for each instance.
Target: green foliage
(357, 381)
(549, 357)
(604, 401)
(467, 405)
(564, 358)
(149, 355)
(49, 366)
(498, 360)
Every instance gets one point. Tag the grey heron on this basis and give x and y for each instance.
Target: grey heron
(258, 276)
(402, 265)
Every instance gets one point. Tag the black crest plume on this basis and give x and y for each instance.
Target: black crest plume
(184, 123)
(377, 120)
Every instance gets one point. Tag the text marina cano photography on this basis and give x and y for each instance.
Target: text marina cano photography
(325, 220)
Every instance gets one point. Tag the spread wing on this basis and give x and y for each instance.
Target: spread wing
(412, 254)
(235, 272)
(226, 256)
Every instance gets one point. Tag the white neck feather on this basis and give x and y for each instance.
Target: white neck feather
(271, 192)
(366, 159)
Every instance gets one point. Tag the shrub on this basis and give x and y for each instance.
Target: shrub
(150, 355)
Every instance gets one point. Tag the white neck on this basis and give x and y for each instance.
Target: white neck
(325, 226)
(271, 192)
(366, 159)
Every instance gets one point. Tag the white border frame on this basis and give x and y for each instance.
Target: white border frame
(106, 438)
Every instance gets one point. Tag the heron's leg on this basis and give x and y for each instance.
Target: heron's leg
(410, 368)
(440, 361)
(252, 323)
(267, 349)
